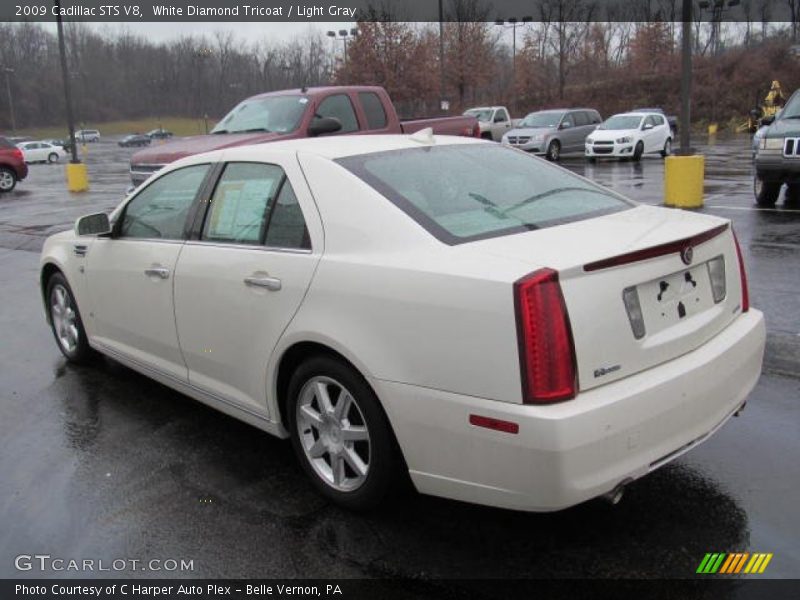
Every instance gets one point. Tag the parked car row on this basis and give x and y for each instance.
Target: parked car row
(551, 133)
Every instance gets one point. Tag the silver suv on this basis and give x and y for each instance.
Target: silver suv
(554, 132)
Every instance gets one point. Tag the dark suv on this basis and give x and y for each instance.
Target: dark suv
(12, 165)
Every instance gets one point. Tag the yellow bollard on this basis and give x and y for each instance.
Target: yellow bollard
(77, 177)
(683, 181)
(712, 128)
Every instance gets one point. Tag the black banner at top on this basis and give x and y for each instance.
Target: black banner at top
(395, 10)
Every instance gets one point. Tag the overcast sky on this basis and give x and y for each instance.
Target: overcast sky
(251, 32)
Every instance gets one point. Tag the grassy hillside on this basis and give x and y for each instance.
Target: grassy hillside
(177, 125)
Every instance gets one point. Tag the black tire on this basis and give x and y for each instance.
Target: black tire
(52, 157)
(638, 151)
(766, 192)
(487, 135)
(553, 151)
(8, 180)
(667, 148)
(383, 455)
(81, 352)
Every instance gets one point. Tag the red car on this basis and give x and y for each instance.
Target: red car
(12, 165)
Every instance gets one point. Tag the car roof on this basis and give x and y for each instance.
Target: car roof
(637, 113)
(334, 147)
(320, 90)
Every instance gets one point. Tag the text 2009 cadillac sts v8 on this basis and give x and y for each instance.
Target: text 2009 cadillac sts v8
(529, 341)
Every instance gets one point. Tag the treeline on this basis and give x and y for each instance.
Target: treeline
(126, 76)
(608, 65)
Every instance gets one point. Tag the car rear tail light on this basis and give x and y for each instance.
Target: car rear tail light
(476, 130)
(17, 153)
(716, 273)
(546, 349)
(631, 299)
(742, 275)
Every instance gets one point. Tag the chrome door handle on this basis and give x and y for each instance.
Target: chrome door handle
(160, 272)
(273, 284)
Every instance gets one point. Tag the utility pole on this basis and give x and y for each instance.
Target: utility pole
(9, 71)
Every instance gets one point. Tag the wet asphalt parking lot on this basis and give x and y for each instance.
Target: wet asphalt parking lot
(101, 462)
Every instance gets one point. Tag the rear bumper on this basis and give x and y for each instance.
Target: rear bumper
(22, 171)
(570, 452)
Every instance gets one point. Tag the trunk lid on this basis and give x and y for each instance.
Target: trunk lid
(640, 249)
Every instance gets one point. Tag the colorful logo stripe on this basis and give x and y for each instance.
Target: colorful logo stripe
(732, 563)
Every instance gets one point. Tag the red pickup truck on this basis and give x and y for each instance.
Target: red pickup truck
(290, 114)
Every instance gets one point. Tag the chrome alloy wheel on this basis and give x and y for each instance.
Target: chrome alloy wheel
(65, 319)
(333, 433)
(6, 180)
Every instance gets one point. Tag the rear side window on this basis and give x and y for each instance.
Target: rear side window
(454, 192)
(241, 199)
(595, 117)
(373, 109)
(339, 107)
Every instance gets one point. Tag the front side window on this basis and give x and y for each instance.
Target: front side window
(241, 202)
(454, 193)
(339, 107)
(159, 211)
(581, 118)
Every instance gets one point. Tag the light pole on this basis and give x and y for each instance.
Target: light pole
(344, 35)
(9, 71)
(512, 23)
(77, 177)
(441, 58)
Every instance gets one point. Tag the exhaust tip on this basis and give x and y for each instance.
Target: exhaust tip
(614, 497)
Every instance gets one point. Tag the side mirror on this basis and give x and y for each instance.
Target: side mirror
(565, 125)
(323, 125)
(646, 126)
(96, 224)
(768, 120)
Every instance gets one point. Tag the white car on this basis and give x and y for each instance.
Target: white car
(389, 303)
(41, 152)
(87, 135)
(630, 135)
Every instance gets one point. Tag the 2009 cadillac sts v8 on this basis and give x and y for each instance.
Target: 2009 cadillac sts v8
(508, 332)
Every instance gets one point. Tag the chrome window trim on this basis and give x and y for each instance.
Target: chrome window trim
(261, 247)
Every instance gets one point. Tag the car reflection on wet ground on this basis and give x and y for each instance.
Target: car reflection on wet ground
(102, 462)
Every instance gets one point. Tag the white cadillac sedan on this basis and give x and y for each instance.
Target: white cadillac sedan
(528, 341)
(630, 135)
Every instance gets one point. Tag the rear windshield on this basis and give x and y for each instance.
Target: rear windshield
(4, 143)
(461, 193)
